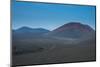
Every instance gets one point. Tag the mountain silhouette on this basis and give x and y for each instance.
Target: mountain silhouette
(27, 32)
(72, 30)
(31, 30)
(69, 30)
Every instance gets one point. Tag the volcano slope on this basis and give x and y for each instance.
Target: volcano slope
(71, 42)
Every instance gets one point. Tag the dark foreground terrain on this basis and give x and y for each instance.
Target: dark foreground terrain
(44, 51)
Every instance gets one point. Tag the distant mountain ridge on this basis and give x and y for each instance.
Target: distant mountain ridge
(69, 30)
(28, 29)
(27, 32)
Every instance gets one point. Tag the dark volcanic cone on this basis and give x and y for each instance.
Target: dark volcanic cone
(72, 30)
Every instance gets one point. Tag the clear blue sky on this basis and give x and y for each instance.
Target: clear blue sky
(50, 16)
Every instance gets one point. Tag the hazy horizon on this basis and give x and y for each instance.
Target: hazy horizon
(43, 28)
(50, 16)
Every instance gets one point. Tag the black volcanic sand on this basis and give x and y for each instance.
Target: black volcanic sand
(55, 51)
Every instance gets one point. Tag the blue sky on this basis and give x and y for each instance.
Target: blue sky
(50, 16)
